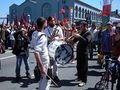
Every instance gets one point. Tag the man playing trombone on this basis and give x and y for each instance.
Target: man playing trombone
(83, 37)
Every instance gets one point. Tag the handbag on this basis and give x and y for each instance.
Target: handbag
(16, 51)
(37, 73)
(2, 49)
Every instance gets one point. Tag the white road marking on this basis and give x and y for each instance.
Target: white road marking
(7, 57)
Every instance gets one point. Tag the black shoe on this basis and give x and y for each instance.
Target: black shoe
(17, 78)
(28, 76)
(56, 80)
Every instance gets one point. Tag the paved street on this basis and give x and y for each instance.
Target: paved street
(66, 74)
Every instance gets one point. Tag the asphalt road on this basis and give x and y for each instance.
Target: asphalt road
(66, 75)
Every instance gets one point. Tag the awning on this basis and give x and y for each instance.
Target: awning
(114, 19)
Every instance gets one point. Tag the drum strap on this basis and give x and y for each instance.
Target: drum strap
(41, 36)
(53, 31)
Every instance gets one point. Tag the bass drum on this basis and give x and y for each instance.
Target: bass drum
(60, 51)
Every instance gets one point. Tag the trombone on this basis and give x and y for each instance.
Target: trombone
(54, 34)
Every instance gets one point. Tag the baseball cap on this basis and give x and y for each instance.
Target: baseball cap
(83, 22)
(109, 23)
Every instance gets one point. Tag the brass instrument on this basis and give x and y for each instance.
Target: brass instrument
(54, 34)
(71, 37)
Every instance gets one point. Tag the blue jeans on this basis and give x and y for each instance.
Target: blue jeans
(19, 62)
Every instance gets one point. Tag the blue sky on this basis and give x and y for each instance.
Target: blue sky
(4, 7)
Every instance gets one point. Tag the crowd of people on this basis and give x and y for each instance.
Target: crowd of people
(85, 39)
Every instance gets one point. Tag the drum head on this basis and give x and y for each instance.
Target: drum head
(63, 54)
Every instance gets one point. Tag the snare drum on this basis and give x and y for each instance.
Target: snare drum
(60, 51)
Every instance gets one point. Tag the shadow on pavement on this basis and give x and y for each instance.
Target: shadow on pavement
(66, 83)
(91, 89)
(24, 82)
(94, 73)
(95, 67)
(3, 79)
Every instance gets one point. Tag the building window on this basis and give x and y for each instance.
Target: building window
(46, 10)
(83, 13)
(79, 12)
(96, 16)
(76, 11)
(92, 15)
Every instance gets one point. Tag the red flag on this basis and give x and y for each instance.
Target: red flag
(24, 21)
(60, 22)
(106, 8)
(16, 22)
(65, 21)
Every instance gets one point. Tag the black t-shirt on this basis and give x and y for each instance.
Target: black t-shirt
(82, 46)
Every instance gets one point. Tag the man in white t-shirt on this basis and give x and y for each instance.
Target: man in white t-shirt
(39, 45)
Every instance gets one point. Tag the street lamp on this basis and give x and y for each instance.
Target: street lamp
(29, 18)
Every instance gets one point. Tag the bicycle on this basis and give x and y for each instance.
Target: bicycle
(108, 76)
(115, 72)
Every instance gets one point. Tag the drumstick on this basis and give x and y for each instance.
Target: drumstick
(52, 80)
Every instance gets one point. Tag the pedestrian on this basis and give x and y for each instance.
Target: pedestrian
(7, 36)
(12, 39)
(83, 38)
(39, 45)
(94, 40)
(21, 50)
(116, 52)
(106, 42)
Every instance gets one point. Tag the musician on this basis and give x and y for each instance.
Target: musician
(83, 38)
(39, 44)
(54, 32)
